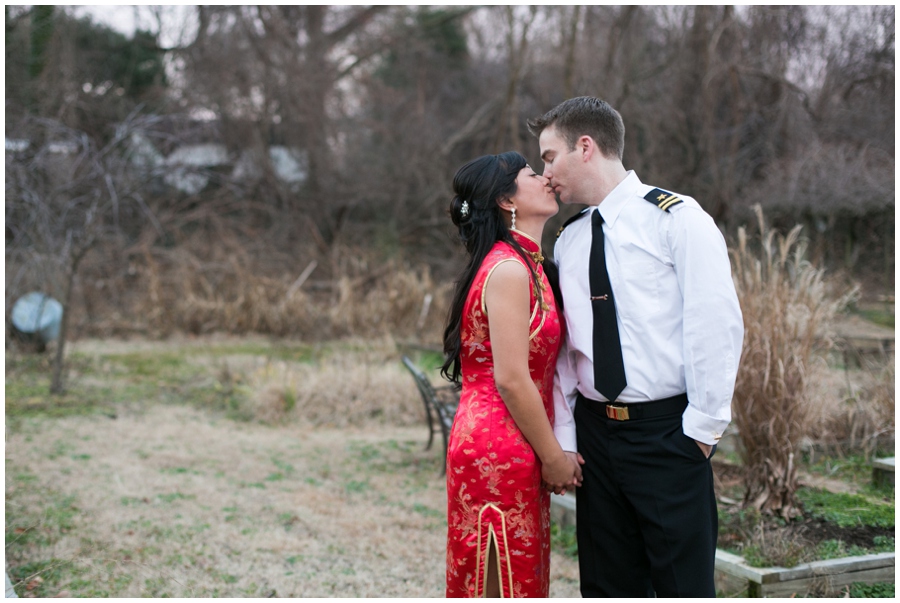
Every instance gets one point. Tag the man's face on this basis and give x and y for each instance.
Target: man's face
(560, 164)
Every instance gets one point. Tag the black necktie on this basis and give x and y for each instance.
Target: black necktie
(609, 368)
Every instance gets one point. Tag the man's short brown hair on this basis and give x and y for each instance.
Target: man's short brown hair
(584, 115)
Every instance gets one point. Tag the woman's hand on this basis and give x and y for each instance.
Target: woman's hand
(562, 472)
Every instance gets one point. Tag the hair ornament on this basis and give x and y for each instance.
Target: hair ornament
(464, 209)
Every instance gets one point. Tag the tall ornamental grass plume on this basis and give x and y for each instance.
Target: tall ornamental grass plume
(787, 305)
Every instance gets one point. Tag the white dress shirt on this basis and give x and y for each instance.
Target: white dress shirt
(680, 322)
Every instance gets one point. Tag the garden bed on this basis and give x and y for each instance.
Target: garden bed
(825, 578)
(844, 545)
(846, 538)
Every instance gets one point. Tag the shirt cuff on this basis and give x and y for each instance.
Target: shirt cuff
(701, 427)
(565, 435)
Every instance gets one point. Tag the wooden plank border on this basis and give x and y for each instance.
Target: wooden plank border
(827, 576)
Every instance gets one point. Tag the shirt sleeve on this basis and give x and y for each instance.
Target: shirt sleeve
(564, 396)
(713, 323)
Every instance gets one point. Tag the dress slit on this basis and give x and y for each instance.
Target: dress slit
(492, 533)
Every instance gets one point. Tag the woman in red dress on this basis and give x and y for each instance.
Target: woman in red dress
(502, 339)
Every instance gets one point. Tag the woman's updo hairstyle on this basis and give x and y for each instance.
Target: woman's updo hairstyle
(478, 187)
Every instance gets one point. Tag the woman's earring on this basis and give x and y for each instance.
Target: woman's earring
(513, 218)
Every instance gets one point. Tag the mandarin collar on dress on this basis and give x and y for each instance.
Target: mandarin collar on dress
(530, 245)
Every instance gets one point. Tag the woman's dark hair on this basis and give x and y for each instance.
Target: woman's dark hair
(478, 186)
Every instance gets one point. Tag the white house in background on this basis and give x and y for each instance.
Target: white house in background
(290, 165)
(59, 147)
(17, 145)
(63, 147)
(188, 167)
(142, 154)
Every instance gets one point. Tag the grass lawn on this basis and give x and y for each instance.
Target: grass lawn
(225, 468)
(244, 467)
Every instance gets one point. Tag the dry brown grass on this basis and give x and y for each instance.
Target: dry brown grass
(853, 410)
(216, 283)
(233, 297)
(351, 386)
(786, 303)
(342, 383)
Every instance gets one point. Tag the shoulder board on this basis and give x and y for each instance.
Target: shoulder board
(663, 199)
(580, 214)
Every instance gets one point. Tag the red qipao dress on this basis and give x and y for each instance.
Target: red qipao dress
(494, 494)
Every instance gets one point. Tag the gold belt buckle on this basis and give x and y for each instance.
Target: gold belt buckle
(617, 413)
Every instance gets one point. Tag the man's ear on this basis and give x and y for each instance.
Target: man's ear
(587, 146)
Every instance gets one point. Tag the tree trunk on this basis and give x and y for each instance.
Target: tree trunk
(569, 66)
(57, 386)
(317, 86)
(509, 121)
(41, 32)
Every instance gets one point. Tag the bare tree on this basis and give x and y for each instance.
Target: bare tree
(271, 73)
(571, 44)
(421, 118)
(518, 24)
(64, 195)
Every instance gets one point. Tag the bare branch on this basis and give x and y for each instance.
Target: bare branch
(358, 20)
(475, 124)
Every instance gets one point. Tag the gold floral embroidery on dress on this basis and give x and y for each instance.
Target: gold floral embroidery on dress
(473, 340)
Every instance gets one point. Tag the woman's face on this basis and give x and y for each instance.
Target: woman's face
(534, 197)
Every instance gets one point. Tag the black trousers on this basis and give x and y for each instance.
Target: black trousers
(646, 512)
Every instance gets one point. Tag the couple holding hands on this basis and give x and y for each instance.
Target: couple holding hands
(609, 371)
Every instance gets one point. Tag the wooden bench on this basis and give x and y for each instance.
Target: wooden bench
(440, 406)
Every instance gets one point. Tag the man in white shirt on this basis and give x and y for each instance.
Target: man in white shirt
(646, 376)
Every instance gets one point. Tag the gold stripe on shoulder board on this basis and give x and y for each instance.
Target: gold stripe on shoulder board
(580, 214)
(663, 199)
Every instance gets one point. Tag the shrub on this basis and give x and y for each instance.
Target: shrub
(785, 301)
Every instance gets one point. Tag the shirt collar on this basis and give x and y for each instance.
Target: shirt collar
(612, 205)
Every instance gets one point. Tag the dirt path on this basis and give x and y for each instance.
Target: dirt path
(170, 501)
